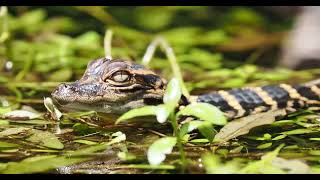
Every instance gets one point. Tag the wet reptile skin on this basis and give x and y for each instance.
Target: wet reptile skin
(116, 86)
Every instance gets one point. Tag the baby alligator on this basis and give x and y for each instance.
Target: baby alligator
(116, 86)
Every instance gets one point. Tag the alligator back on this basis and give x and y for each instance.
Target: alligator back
(236, 103)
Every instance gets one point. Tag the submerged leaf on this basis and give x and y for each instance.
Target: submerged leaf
(8, 145)
(49, 162)
(83, 141)
(46, 139)
(158, 150)
(243, 125)
(21, 114)
(13, 131)
(40, 164)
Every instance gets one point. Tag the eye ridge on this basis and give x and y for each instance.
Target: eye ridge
(120, 76)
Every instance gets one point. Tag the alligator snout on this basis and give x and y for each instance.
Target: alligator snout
(64, 93)
(71, 92)
(64, 89)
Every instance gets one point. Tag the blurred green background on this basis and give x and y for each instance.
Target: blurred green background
(56, 43)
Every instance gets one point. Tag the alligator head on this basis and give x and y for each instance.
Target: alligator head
(111, 86)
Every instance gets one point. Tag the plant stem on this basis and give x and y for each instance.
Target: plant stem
(179, 142)
(107, 44)
(160, 41)
(5, 33)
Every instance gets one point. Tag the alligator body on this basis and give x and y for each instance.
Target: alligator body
(242, 102)
(116, 86)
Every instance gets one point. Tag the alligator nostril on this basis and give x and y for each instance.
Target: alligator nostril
(161, 86)
(73, 88)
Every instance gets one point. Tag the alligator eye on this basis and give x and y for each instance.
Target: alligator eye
(120, 76)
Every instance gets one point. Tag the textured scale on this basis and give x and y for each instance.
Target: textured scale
(248, 99)
(242, 102)
(216, 100)
(307, 92)
(278, 94)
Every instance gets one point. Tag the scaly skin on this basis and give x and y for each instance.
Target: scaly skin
(116, 86)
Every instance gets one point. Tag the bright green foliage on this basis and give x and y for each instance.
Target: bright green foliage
(158, 150)
(204, 111)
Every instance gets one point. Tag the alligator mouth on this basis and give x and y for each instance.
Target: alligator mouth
(60, 101)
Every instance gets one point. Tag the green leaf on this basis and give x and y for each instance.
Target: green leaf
(299, 131)
(173, 93)
(153, 18)
(199, 141)
(36, 121)
(158, 150)
(40, 164)
(314, 139)
(265, 164)
(204, 111)
(246, 16)
(82, 129)
(88, 40)
(83, 141)
(264, 146)
(118, 137)
(48, 162)
(282, 136)
(147, 166)
(177, 36)
(143, 111)
(13, 131)
(125, 156)
(60, 75)
(4, 122)
(207, 130)
(4, 110)
(161, 112)
(81, 114)
(214, 37)
(8, 145)
(213, 165)
(46, 139)
(189, 126)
